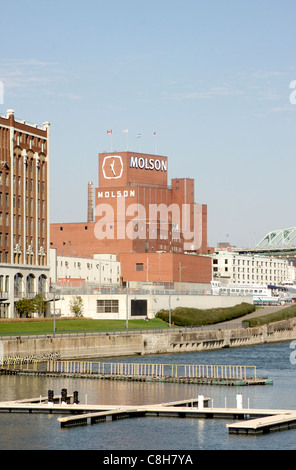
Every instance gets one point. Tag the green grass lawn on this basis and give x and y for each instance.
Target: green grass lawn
(44, 325)
(35, 326)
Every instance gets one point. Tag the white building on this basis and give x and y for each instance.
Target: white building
(231, 267)
(102, 269)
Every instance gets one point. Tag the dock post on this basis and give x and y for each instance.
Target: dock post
(64, 396)
(200, 402)
(75, 398)
(239, 401)
(50, 397)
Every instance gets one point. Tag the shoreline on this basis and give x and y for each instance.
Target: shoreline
(144, 343)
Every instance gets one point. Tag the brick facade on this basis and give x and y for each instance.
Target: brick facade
(137, 212)
(24, 211)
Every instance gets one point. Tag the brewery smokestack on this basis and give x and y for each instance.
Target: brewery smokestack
(90, 203)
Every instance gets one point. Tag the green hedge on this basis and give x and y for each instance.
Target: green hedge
(284, 314)
(183, 316)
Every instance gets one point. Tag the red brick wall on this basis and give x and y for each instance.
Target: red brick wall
(165, 267)
(78, 239)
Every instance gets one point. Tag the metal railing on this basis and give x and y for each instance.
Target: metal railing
(136, 369)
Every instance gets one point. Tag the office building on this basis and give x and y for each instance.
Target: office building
(24, 211)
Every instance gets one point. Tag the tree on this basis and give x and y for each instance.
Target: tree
(76, 306)
(25, 307)
(39, 304)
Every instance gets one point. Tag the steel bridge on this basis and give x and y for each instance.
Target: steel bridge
(280, 242)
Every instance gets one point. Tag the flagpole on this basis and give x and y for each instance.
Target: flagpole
(110, 133)
(139, 137)
(154, 133)
(126, 132)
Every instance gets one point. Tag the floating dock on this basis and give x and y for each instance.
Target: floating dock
(250, 421)
(265, 424)
(200, 374)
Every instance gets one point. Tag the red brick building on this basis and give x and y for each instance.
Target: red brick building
(136, 212)
(24, 210)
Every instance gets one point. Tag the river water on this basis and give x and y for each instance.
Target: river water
(23, 431)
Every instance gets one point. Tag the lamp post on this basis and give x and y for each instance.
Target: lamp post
(54, 318)
(127, 304)
(54, 312)
(170, 313)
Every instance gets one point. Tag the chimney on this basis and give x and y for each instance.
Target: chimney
(90, 203)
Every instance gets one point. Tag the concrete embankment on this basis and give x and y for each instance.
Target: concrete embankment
(128, 344)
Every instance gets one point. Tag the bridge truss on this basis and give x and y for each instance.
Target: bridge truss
(279, 238)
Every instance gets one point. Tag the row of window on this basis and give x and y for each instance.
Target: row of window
(29, 139)
(29, 184)
(243, 262)
(29, 163)
(18, 200)
(253, 270)
(256, 279)
(88, 265)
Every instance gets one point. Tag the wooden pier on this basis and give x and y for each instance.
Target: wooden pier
(265, 424)
(250, 421)
(205, 374)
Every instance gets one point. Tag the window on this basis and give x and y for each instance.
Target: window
(139, 267)
(107, 306)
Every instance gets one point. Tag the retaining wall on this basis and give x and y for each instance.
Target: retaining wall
(124, 344)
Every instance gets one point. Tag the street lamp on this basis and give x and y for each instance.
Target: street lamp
(170, 313)
(54, 318)
(127, 304)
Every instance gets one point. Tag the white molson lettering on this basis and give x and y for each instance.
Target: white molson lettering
(107, 194)
(148, 164)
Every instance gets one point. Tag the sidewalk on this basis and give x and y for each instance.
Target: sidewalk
(258, 313)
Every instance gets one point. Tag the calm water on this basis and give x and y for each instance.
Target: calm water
(42, 431)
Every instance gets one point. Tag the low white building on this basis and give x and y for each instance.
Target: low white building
(102, 269)
(231, 267)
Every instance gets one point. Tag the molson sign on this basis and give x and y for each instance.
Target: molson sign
(112, 167)
(124, 193)
(148, 163)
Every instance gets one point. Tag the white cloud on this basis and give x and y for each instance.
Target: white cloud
(32, 76)
(204, 94)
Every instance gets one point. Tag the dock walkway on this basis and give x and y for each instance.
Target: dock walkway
(250, 421)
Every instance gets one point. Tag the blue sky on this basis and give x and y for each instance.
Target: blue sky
(211, 78)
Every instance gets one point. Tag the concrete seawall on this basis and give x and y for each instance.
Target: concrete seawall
(126, 344)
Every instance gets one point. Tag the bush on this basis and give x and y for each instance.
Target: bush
(285, 314)
(76, 306)
(183, 316)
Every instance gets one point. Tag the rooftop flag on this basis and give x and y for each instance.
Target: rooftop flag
(109, 132)
(125, 130)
